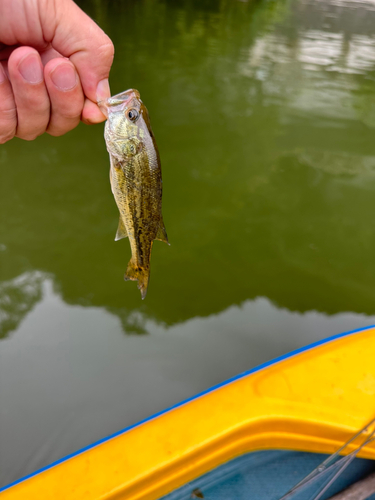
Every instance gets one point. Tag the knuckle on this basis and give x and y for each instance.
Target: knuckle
(8, 124)
(38, 105)
(57, 131)
(71, 115)
(107, 49)
(8, 114)
(29, 133)
(7, 136)
(28, 137)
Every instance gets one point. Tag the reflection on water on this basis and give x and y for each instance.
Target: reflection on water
(17, 297)
(264, 115)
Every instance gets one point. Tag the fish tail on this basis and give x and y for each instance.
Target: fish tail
(140, 274)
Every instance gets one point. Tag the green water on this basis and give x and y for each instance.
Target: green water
(264, 115)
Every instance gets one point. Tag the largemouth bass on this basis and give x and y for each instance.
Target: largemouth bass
(135, 175)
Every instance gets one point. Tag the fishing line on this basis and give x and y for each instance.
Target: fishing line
(332, 463)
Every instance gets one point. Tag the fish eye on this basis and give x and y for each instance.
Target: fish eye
(133, 114)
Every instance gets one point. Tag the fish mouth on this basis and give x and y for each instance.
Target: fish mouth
(118, 101)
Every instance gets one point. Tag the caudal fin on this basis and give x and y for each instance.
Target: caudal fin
(136, 273)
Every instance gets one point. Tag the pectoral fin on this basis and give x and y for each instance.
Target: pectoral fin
(161, 235)
(121, 231)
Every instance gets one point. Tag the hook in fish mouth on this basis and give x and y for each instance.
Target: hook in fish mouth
(121, 99)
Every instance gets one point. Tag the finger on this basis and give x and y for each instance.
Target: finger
(91, 114)
(8, 114)
(87, 46)
(48, 54)
(66, 95)
(30, 93)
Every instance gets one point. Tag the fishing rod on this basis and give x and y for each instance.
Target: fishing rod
(335, 465)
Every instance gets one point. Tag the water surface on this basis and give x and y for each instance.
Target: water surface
(264, 115)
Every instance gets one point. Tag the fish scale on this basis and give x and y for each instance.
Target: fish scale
(135, 175)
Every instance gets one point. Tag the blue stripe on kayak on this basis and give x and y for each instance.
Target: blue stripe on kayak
(207, 391)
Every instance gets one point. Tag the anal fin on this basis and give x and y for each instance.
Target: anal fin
(161, 235)
(121, 231)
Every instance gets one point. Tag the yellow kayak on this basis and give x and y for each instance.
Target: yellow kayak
(304, 405)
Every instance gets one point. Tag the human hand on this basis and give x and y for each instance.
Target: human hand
(54, 67)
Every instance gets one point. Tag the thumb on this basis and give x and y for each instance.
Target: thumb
(87, 46)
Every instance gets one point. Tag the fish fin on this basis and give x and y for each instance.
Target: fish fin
(121, 230)
(136, 273)
(161, 235)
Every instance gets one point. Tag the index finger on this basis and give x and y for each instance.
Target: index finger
(88, 47)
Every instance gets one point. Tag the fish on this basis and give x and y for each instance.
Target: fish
(136, 182)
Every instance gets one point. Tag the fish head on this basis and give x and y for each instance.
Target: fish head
(128, 128)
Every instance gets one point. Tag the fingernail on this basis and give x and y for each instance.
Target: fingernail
(31, 69)
(64, 77)
(103, 91)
